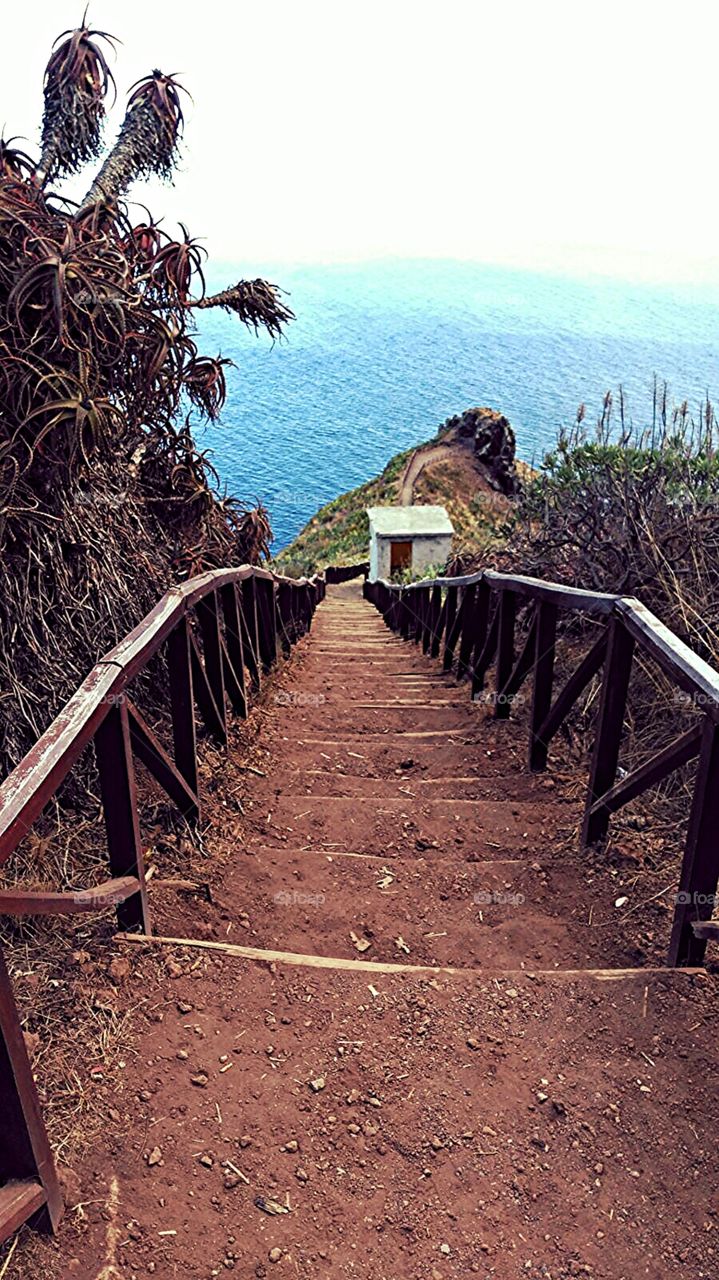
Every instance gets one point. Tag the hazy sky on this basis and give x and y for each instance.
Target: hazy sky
(545, 132)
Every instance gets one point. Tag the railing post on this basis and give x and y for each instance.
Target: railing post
(467, 637)
(236, 687)
(295, 605)
(25, 1153)
(310, 602)
(700, 867)
(416, 598)
(454, 607)
(605, 757)
(284, 616)
(543, 681)
(484, 653)
(405, 613)
(392, 611)
(505, 650)
(119, 804)
(426, 594)
(482, 603)
(250, 628)
(267, 621)
(435, 614)
(209, 620)
(182, 703)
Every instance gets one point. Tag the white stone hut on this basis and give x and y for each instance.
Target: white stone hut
(402, 538)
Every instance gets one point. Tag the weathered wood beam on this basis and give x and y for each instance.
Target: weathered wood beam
(150, 751)
(655, 770)
(209, 710)
(706, 930)
(25, 1154)
(113, 750)
(19, 1201)
(685, 667)
(19, 902)
(576, 684)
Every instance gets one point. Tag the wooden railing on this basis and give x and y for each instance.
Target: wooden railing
(470, 622)
(218, 634)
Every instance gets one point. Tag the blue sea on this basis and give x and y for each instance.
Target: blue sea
(382, 353)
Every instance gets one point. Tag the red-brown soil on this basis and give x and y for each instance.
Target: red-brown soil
(538, 1106)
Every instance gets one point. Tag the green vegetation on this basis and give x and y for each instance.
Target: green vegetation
(339, 533)
(632, 511)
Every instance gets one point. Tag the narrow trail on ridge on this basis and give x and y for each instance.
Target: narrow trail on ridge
(502, 1092)
(416, 465)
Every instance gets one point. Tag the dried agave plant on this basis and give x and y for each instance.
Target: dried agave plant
(257, 303)
(77, 79)
(104, 495)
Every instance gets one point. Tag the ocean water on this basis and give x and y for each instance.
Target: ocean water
(382, 353)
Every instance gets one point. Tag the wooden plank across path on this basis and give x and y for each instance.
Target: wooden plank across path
(350, 965)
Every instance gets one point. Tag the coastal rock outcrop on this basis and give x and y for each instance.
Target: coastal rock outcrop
(493, 442)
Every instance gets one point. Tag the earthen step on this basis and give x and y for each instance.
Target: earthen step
(406, 783)
(364, 721)
(444, 913)
(434, 753)
(405, 824)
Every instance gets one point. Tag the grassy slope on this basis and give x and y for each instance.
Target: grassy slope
(339, 533)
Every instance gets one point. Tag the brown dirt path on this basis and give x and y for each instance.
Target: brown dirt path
(415, 466)
(523, 1116)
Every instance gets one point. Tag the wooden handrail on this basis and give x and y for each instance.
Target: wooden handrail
(26, 791)
(599, 602)
(688, 670)
(474, 636)
(685, 667)
(238, 617)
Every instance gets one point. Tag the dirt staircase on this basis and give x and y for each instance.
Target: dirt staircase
(396, 1047)
(386, 814)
